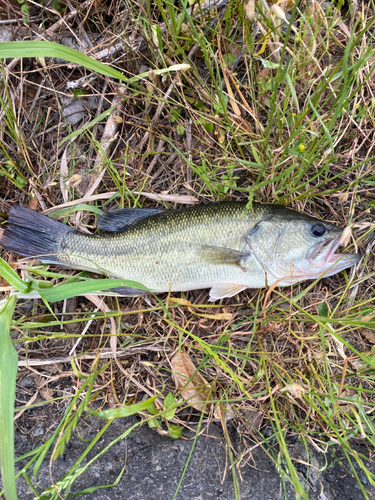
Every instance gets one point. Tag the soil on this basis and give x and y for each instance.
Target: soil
(153, 465)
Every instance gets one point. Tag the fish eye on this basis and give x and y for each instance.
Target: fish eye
(318, 230)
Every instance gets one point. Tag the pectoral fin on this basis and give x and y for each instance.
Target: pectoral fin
(226, 256)
(220, 291)
(119, 219)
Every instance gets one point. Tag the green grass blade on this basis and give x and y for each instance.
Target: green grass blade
(326, 131)
(175, 67)
(8, 372)
(68, 290)
(67, 211)
(51, 49)
(87, 126)
(124, 411)
(11, 277)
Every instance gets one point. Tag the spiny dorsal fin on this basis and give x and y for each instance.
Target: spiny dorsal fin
(119, 219)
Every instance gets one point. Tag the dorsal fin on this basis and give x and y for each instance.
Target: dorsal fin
(117, 220)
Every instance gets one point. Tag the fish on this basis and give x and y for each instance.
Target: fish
(224, 246)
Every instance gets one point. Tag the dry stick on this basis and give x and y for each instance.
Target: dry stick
(84, 330)
(156, 157)
(174, 198)
(100, 107)
(82, 7)
(87, 43)
(68, 359)
(105, 143)
(30, 402)
(85, 199)
(113, 343)
(155, 119)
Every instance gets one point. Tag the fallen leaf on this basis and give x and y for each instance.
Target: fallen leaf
(33, 204)
(369, 335)
(254, 417)
(194, 389)
(46, 393)
(294, 389)
(250, 10)
(64, 172)
(228, 413)
(182, 302)
(346, 236)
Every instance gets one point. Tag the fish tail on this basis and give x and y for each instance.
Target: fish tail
(32, 234)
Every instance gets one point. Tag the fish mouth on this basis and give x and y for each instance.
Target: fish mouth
(324, 254)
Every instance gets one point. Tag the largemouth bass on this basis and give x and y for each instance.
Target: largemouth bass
(222, 246)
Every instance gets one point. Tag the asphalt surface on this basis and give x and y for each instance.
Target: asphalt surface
(153, 466)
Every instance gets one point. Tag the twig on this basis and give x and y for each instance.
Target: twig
(68, 359)
(107, 139)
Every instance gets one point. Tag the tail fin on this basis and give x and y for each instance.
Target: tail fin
(32, 234)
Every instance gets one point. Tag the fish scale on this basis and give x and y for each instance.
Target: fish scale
(223, 246)
(164, 251)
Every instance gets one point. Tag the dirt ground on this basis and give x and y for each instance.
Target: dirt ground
(153, 466)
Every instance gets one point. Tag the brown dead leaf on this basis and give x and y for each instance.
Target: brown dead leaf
(294, 389)
(194, 389)
(75, 180)
(369, 335)
(182, 302)
(216, 317)
(369, 317)
(250, 10)
(46, 393)
(254, 417)
(33, 204)
(41, 383)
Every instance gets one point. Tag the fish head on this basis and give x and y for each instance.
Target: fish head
(297, 248)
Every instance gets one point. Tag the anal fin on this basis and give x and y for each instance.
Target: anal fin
(222, 290)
